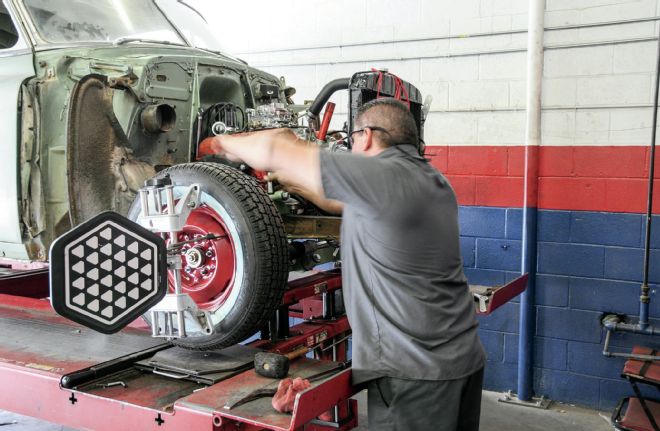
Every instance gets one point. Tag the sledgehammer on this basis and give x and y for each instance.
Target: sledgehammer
(275, 365)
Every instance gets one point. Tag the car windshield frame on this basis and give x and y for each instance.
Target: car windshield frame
(147, 23)
(191, 24)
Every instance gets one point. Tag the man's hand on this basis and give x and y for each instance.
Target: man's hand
(286, 183)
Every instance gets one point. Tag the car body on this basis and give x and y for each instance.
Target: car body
(97, 96)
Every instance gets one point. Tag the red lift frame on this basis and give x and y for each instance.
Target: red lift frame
(31, 378)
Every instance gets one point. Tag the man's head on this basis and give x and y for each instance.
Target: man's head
(382, 123)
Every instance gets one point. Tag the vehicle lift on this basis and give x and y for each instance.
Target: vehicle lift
(120, 384)
(62, 372)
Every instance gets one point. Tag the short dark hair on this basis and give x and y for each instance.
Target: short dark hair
(393, 116)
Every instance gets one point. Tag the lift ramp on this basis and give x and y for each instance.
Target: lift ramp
(60, 371)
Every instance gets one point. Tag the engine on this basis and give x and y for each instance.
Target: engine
(272, 115)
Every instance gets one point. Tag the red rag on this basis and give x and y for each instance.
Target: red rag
(328, 416)
(207, 147)
(285, 396)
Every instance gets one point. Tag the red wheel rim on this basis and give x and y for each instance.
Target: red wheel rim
(208, 266)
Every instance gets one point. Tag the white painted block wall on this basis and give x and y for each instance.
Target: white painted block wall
(469, 55)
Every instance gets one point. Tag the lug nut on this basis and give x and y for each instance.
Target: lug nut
(209, 253)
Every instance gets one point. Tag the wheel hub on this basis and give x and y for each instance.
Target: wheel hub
(208, 264)
(195, 257)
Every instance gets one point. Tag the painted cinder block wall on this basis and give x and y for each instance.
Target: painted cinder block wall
(470, 56)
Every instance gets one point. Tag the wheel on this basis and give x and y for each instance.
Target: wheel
(240, 277)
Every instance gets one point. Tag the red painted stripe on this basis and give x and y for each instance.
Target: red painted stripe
(595, 178)
(572, 193)
(489, 191)
(629, 195)
(464, 187)
(490, 161)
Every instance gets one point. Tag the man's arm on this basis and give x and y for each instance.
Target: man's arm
(277, 150)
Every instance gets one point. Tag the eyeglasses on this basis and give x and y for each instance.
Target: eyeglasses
(380, 129)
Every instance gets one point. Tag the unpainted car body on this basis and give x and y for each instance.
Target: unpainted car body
(88, 114)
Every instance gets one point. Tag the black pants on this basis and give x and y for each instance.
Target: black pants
(419, 405)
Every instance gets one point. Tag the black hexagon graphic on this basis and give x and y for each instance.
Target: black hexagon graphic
(106, 272)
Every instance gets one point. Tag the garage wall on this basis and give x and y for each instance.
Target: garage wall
(470, 56)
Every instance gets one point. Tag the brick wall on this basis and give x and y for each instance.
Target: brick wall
(470, 56)
(588, 263)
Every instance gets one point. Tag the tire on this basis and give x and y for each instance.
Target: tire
(241, 294)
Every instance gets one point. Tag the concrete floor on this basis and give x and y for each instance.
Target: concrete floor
(495, 416)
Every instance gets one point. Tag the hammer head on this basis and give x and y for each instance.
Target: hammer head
(271, 365)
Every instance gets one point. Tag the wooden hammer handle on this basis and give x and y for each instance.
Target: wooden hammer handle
(301, 351)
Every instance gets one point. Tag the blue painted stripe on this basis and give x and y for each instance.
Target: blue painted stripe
(589, 263)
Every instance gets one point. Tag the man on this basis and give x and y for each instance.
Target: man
(415, 342)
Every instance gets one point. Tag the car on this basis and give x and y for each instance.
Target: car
(99, 97)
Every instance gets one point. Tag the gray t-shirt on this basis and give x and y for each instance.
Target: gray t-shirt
(405, 292)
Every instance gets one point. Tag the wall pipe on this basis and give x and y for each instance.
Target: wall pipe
(527, 323)
(454, 36)
(613, 322)
(458, 54)
(644, 298)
